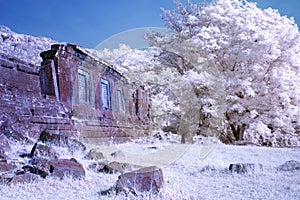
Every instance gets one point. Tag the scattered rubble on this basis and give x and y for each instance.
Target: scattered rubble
(41, 161)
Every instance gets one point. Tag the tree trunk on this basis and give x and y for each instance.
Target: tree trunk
(238, 131)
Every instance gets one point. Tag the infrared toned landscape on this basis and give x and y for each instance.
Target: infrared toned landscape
(208, 110)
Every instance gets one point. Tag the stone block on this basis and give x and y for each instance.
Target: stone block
(243, 168)
(7, 167)
(44, 151)
(290, 165)
(119, 167)
(24, 178)
(94, 154)
(148, 180)
(67, 167)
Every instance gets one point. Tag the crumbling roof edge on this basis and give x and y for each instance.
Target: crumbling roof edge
(89, 53)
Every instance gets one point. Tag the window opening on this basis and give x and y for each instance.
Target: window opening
(82, 87)
(105, 94)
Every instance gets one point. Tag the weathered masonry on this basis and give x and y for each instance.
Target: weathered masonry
(24, 113)
(103, 105)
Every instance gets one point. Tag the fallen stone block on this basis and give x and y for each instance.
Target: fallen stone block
(243, 168)
(67, 167)
(24, 178)
(42, 165)
(208, 168)
(94, 154)
(290, 165)
(35, 170)
(118, 167)
(7, 167)
(44, 151)
(148, 180)
(97, 166)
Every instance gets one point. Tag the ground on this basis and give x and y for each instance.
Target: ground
(198, 171)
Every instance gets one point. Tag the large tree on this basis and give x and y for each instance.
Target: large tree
(256, 51)
(173, 99)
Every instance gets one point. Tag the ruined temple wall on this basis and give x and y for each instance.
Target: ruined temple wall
(17, 76)
(46, 97)
(127, 112)
(23, 111)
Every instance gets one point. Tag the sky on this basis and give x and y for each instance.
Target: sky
(89, 23)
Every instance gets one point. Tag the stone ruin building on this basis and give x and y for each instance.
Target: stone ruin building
(72, 94)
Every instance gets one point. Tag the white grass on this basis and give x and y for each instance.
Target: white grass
(184, 175)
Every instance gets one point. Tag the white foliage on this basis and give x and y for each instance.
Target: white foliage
(256, 51)
(23, 47)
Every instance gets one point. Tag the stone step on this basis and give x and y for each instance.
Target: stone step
(46, 119)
